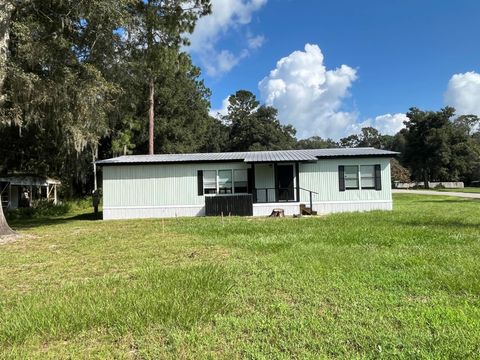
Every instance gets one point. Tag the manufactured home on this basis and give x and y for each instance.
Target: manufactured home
(247, 183)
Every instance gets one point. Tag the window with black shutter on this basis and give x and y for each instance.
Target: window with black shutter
(341, 178)
(200, 182)
(251, 180)
(378, 177)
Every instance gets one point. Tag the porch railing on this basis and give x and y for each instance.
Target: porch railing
(5, 195)
(277, 194)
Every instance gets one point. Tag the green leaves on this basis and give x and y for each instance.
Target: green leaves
(437, 147)
(256, 128)
(76, 79)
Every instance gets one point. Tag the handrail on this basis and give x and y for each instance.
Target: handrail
(266, 190)
(314, 192)
(277, 189)
(310, 192)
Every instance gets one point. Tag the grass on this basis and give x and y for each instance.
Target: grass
(465, 189)
(400, 284)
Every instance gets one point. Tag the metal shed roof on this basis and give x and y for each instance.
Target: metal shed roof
(248, 157)
(29, 180)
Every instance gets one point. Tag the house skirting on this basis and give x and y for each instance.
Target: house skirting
(145, 212)
(328, 207)
(264, 209)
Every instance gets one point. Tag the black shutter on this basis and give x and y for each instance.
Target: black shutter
(297, 176)
(378, 177)
(200, 182)
(341, 178)
(251, 180)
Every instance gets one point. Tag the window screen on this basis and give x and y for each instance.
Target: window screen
(240, 181)
(225, 181)
(368, 176)
(209, 181)
(351, 177)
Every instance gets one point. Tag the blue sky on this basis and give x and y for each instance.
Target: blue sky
(398, 54)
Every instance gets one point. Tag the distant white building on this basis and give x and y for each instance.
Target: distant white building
(18, 190)
(246, 183)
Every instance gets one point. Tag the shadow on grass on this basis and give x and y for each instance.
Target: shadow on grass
(25, 224)
(441, 223)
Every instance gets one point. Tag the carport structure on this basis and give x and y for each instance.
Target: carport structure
(21, 190)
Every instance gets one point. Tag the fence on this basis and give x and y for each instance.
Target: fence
(431, 184)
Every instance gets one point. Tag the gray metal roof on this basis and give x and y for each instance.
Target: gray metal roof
(27, 180)
(249, 157)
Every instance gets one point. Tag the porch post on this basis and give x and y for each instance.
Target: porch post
(275, 181)
(254, 185)
(297, 180)
(55, 194)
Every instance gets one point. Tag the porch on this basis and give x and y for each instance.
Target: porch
(21, 190)
(270, 186)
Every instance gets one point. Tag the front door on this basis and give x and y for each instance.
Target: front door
(285, 183)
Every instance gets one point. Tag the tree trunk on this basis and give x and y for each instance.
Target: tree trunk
(6, 9)
(151, 116)
(4, 228)
(425, 179)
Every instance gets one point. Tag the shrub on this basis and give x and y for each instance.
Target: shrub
(40, 208)
(399, 173)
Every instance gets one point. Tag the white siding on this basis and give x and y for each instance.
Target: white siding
(134, 191)
(144, 191)
(322, 177)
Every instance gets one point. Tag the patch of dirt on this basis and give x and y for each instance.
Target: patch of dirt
(8, 238)
(11, 238)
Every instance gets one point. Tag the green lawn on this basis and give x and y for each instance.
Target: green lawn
(466, 189)
(400, 284)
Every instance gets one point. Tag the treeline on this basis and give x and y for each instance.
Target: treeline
(82, 80)
(433, 146)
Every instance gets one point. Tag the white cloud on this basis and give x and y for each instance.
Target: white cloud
(255, 42)
(386, 124)
(226, 15)
(218, 113)
(309, 96)
(463, 93)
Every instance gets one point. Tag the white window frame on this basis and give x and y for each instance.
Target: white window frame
(233, 181)
(361, 178)
(216, 183)
(358, 177)
(217, 178)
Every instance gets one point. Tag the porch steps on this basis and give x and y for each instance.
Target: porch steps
(305, 210)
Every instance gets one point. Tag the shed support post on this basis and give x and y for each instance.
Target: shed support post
(55, 194)
(94, 158)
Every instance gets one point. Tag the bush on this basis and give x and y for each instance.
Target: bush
(439, 186)
(40, 208)
(418, 187)
(399, 173)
